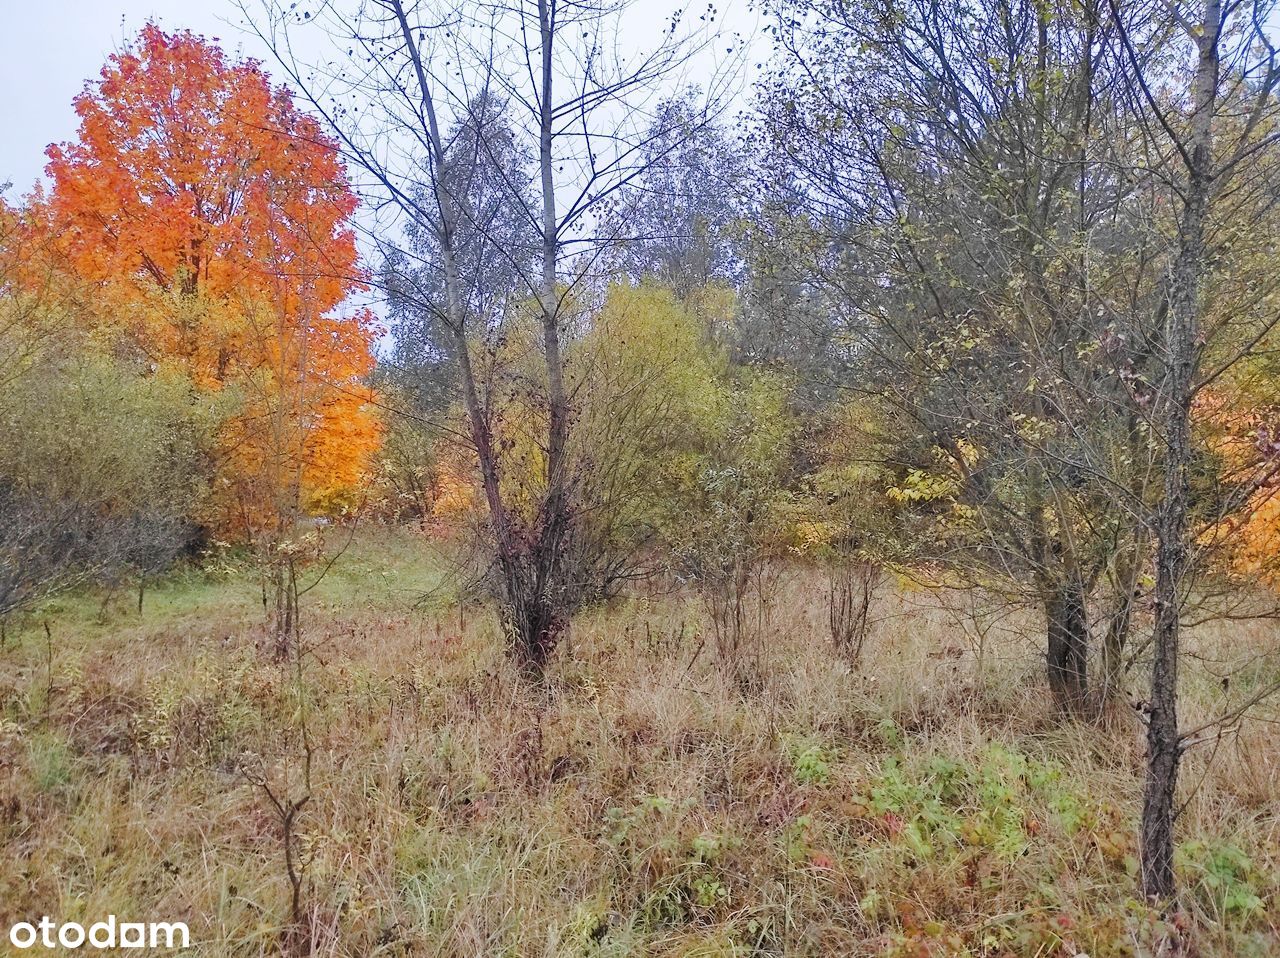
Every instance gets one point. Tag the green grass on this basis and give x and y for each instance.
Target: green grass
(373, 570)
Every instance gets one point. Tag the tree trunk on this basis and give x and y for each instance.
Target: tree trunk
(534, 625)
(555, 519)
(537, 617)
(1113, 644)
(1128, 567)
(1163, 747)
(1182, 350)
(1068, 646)
(526, 563)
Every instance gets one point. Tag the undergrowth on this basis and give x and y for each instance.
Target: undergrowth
(638, 805)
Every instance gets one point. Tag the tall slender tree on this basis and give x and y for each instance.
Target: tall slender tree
(1214, 153)
(404, 75)
(1031, 220)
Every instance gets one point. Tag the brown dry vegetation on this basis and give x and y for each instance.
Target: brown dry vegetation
(637, 806)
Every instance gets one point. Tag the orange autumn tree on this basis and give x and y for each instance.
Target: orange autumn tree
(1238, 422)
(212, 218)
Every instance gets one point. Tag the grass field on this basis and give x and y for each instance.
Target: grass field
(635, 806)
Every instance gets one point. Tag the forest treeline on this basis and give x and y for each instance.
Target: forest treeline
(983, 293)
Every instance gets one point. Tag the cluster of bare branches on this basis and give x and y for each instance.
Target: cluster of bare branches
(492, 140)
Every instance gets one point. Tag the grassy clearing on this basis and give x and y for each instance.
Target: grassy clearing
(637, 807)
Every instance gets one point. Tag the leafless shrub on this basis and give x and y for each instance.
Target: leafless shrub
(851, 588)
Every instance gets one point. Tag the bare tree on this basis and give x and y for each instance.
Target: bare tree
(402, 76)
(490, 170)
(1214, 148)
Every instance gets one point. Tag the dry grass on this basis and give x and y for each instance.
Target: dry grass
(637, 806)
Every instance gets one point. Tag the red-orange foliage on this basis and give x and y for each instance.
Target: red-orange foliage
(213, 218)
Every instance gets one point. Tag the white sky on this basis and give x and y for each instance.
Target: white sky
(49, 48)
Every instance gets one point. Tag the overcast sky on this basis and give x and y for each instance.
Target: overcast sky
(49, 48)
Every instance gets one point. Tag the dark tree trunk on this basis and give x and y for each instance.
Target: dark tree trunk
(1163, 745)
(1182, 349)
(534, 625)
(550, 601)
(1068, 647)
(529, 562)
